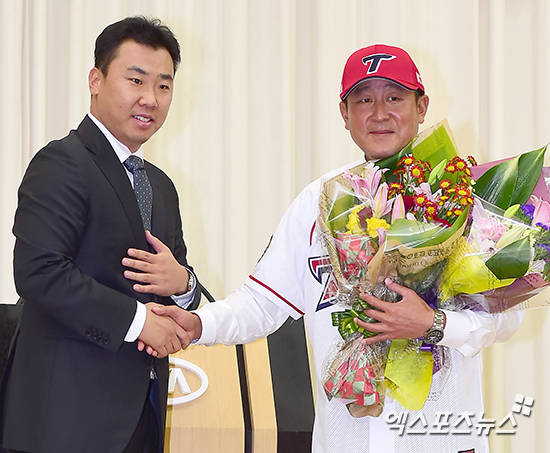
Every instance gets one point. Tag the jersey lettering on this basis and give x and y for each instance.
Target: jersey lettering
(320, 266)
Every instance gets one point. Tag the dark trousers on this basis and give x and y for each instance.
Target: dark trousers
(146, 438)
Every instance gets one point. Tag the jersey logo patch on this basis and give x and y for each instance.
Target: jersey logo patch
(320, 266)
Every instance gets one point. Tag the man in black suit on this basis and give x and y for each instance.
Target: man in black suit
(76, 381)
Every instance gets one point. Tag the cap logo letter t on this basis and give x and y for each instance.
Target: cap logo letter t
(375, 61)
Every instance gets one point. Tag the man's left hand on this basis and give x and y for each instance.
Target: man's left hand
(411, 317)
(159, 273)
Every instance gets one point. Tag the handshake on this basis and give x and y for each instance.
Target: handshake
(168, 329)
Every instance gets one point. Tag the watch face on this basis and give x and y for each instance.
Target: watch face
(434, 336)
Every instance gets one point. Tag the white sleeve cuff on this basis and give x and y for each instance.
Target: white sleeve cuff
(469, 331)
(137, 324)
(208, 321)
(457, 330)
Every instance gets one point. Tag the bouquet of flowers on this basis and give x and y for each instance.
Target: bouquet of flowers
(414, 217)
(503, 261)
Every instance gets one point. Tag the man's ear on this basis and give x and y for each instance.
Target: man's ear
(423, 102)
(344, 113)
(94, 81)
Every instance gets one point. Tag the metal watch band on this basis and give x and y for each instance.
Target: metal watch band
(192, 281)
(435, 333)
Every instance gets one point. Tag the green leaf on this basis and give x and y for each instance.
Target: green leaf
(512, 181)
(339, 213)
(436, 174)
(497, 184)
(530, 168)
(414, 233)
(512, 261)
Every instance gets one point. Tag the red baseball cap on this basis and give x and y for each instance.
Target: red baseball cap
(380, 61)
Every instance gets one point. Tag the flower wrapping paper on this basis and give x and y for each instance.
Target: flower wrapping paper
(419, 218)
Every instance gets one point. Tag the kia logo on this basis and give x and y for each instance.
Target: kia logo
(178, 378)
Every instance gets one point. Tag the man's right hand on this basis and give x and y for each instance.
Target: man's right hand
(161, 333)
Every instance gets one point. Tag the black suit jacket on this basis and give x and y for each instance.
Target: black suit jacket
(72, 383)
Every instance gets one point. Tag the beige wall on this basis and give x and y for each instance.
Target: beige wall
(255, 118)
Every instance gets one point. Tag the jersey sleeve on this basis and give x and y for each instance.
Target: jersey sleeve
(281, 274)
(469, 331)
(275, 289)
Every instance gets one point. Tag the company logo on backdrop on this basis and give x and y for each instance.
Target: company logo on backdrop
(179, 369)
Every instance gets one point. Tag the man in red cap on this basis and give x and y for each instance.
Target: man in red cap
(383, 104)
(383, 100)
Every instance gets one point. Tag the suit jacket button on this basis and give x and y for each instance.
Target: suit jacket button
(94, 336)
(88, 333)
(106, 340)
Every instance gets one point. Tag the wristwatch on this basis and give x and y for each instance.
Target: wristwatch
(192, 281)
(435, 333)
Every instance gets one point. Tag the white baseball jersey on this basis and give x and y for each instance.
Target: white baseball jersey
(294, 278)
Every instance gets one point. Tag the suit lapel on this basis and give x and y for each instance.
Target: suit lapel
(107, 161)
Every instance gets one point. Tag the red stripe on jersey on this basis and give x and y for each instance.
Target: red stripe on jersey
(277, 294)
(311, 233)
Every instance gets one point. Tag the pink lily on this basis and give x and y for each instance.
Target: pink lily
(542, 211)
(425, 189)
(398, 211)
(358, 184)
(380, 203)
(373, 175)
(382, 232)
(365, 187)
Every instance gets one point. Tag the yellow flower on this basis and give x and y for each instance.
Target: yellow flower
(354, 225)
(373, 224)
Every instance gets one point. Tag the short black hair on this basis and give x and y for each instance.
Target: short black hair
(143, 30)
